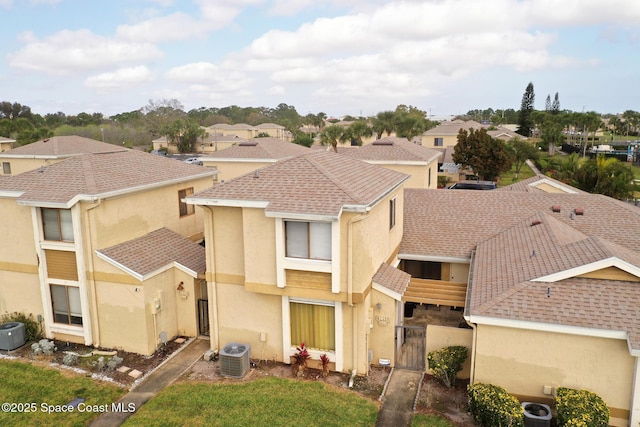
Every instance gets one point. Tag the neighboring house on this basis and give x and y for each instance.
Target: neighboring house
(403, 156)
(542, 183)
(446, 133)
(214, 141)
(248, 156)
(245, 131)
(49, 151)
(103, 249)
(553, 289)
(6, 144)
(291, 253)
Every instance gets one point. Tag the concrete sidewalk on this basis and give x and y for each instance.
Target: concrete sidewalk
(156, 381)
(399, 398)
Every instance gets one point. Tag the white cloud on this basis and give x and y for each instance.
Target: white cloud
(6, 3)
(177, 26)
(221, 13)
(68, 52)
(37, 2)
(122, 78)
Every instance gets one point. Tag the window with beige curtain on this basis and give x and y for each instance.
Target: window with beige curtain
(313, 325)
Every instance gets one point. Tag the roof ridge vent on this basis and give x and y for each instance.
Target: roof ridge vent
(382, 142)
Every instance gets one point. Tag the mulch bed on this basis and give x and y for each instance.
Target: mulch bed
(90, 365)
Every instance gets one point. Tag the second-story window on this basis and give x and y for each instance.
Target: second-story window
(6, 168)
(438, 142)
(57, 224)
(185, 209)
(311, 240)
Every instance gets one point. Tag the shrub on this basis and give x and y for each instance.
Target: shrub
(300, 358)
(447, 362)
(43, 347)
(113, 363)
(580, 408)
(324, 364)
(31, 327)
(492, 406)
(70, 359)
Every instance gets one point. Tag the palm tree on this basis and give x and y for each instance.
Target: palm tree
(356, 132)
(331, 135)
(383, 122)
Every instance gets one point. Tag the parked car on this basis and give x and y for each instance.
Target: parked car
(473, 185)
(159, 152)
(193, 161)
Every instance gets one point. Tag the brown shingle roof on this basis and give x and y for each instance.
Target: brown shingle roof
(450, 223)
(506, 265)
(260, 148)
(62, 146)
(391, 149)
(392, 278)
(315, 183)
(99, 174)
(155, 251)
(531, 185)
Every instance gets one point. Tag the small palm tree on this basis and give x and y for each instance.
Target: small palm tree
(331, 135)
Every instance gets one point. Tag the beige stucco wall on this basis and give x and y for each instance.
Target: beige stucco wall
(439, 337)
(419, 174)
(119, 219)
(259, 247)
(524, 361)
(382, 335)
(20, 165)
(448, 140)
(244, 315)
(19, 281)
(373, 241)
(232, 169)
(227, 240)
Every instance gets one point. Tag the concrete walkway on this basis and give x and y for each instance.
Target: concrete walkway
(399, 399)
(156, 381)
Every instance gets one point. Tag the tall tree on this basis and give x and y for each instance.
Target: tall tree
(184, 133)
(547, 104)
(526, 108)
(383, 122)
(555, 106)
(331, 135)
(521, 152)
(486, 156)
(356, 132)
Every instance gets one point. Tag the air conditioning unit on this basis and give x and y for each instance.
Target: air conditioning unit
(234, 360)
(12, 335)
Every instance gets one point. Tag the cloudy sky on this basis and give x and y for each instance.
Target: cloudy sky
(339, 57)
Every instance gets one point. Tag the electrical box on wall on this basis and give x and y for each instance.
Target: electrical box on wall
(155, 305)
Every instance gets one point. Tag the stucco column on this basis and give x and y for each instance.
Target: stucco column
(635, 397)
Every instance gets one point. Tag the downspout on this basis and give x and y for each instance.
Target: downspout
(213, 290)
(474, 327)
(92, 280)
(354, 314)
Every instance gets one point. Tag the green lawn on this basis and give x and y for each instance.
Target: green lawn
(268, 401)
(38, 388)
(508, 178)
(422, 420)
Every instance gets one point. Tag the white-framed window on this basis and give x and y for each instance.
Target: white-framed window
(392, 213)
(438, 142)
(65, 301)
(308, 240)
(185, 209)
(313, 325)
(57, 224)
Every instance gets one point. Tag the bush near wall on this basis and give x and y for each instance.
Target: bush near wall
(492, 406)
(32, 329)
(447, 362)
(580, 408)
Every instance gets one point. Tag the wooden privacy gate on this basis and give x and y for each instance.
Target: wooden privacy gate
(203, 317)
(411, 347)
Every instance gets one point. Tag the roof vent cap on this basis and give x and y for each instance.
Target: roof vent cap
(555, 208)
(579, 211)
(535, 222)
